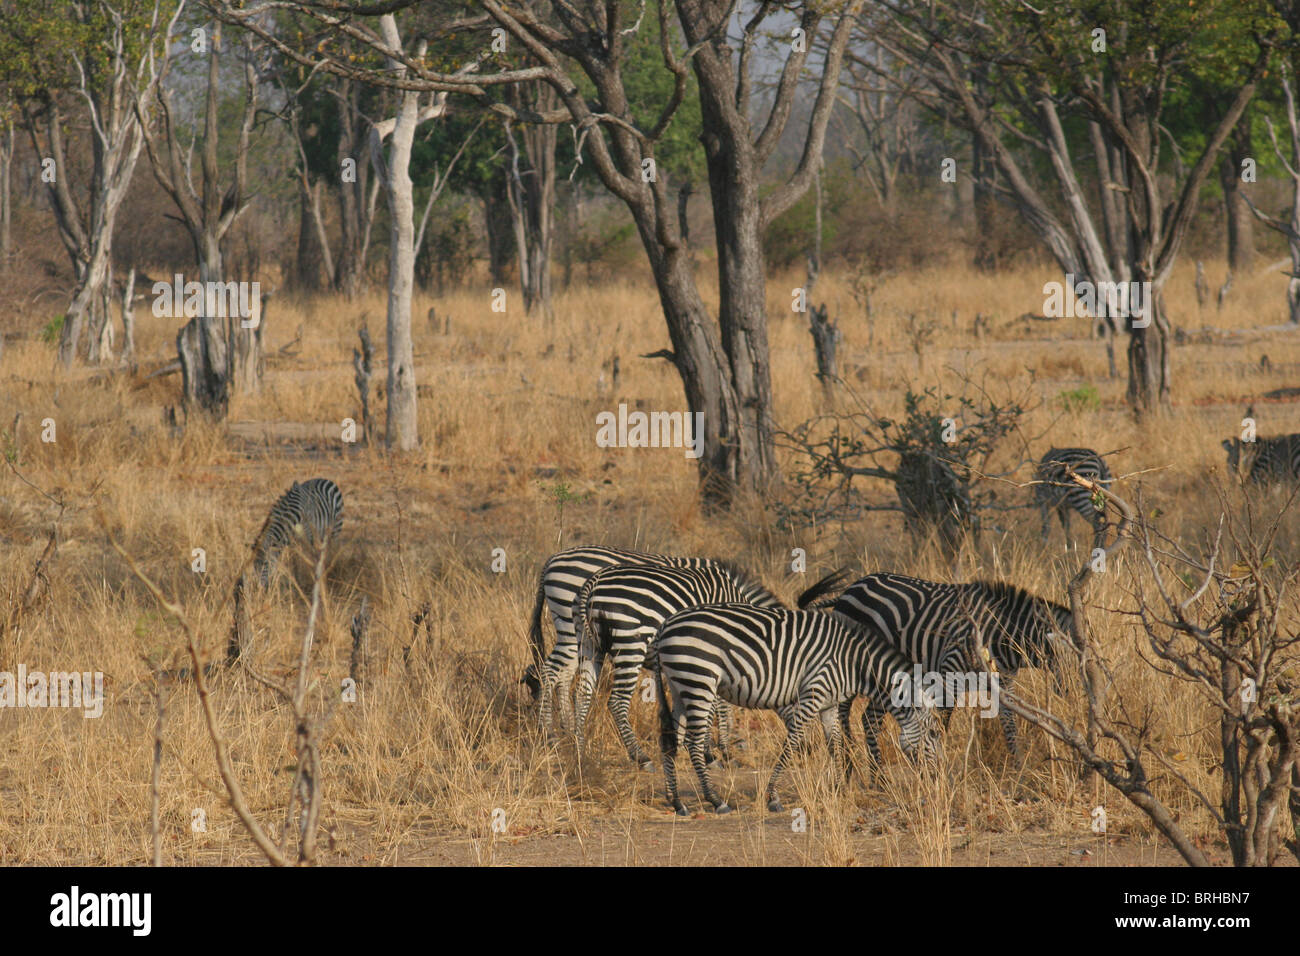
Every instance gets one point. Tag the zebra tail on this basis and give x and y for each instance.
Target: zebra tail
(828, 584)
(533, 673)
(667, 732)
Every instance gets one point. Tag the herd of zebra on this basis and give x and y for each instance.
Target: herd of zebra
(716, 638)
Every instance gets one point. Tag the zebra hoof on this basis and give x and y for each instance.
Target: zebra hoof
(721, 808)
(682, 811)
(740, 745)
(774, 806)
(647, 765)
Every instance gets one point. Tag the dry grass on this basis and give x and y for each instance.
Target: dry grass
(442, 734)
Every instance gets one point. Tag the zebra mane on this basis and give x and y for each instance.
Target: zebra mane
(744, 577)
(1003, 592)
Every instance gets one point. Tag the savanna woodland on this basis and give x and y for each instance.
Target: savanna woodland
(421, 419)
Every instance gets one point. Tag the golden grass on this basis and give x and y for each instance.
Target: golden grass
(443, 734)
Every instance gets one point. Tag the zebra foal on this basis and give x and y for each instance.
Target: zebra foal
(1058, 492)
(930, 623)
(802, 664)
(619, 610)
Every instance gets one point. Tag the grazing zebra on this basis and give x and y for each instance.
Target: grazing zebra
(310, 509)
(619, 610)
(802, 664)
(562, 578)
(1061, 493)
(1265, 460)
(930, 623)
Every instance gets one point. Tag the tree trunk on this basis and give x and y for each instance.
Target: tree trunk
(742, 281)
(500, 235)
(354, 208)
(1149, 357)
(402, 430)
(701, 365)
(6, 196)
(1240, 224)
(307, 267)
(1293, 283)
(128, 321)
(985, 208)
(201, 343)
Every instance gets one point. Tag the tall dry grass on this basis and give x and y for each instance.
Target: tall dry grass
(442, 734)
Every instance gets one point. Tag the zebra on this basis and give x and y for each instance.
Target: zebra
(1057, 490)
(618, 611)
(802, 664)
(311, 509)
(1265, 460)
(930, 623)
(562, 577)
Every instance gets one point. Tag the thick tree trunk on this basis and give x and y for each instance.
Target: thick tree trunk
(742, 281)
(201, 343)
(702, 367)
(1149, 357)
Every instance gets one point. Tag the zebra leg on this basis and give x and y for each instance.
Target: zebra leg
(727, 740)
(793, 737)
(588, 676)
(835, 740)
(627, 670)
(557, 678)
(668, 725)
(873, 718)
(844, 711)
(1008, 721)
(1047, 519)
(697, 736)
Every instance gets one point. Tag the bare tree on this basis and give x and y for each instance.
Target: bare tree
(394, 174)
(216, 352)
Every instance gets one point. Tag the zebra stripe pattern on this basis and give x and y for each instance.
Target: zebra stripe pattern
(1061, 494)
(1265, 460)
(310, 510)
(561, 580)
(619, 610)
(930, 623)
(802, 664)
